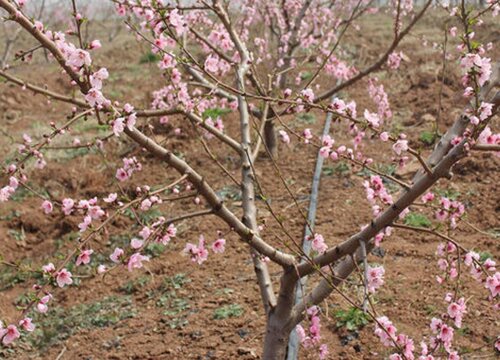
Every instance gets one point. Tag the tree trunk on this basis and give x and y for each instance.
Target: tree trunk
(276, 339)
(279, 320)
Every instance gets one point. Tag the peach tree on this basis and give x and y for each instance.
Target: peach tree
(266, 62)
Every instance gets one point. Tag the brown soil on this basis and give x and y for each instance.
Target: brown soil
(410, 296)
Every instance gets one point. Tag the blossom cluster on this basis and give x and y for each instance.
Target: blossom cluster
(312, 337)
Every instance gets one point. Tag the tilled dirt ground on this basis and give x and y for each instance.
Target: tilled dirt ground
(173, 309)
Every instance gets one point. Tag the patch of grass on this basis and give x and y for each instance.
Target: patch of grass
(177, 281)
(13, 214)
(352, 319)
(175, 310)
(10, 276)
(430, 309)
(306, 118)
(448, 193)
(149, 58)
(214, 113)
(340, 169)
(228, 311)
(175, 307)
(21, 194)
(306, 75)
(133, 286)
(230, 192)
(417, 220)
(428, 137)
(483, 256)
(17, 235)
(144, 216)
(464, 331)
(60, 323)
(70, 154)
(494, 232)
(154, 249)
(89, 127)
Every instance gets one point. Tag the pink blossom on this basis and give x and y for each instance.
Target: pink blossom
(308, 94)
(218, 246)
(67, 206)
(372, 118)
(307, 134)
(389, 335)
(171, 232)
(468, 92)
(87, 220)
(400, 146)
(394, 60)
(131, 120)
(27, 324)
(407, 345)
(13, 182)
(48, 268)
(63, 277)
(284, 136)
(287, 93)
(429, 196)
(135, 261)
(198, 252)
(47, 207)
(489, 265)
(318, 244)
(146, 204)
(327, 141)
(323, 352)
(110, 198)
(384, 136)
(456, 311)
(453, 31)
(27, 139)
(470, 256)
(177, 21)
(493, 284)
(212, 63)
(84, 257)
(101, 269)
(145, 232)
(95, 212)
(395, 357)
(485, 110)
(97, 78)
(122, 174)
(78, 58)
(446, 334)
(136, 243)
(9, 334)
(118, 126)
(116, 255)
(379, 96)
(95, 98)
(95, 44)
(42, 304)
(375, 278)
(338, 105)
(301, 333)
(168, 62)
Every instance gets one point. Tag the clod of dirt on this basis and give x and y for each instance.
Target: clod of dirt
(251, 354)
(346, 339)
(243, 333)
(378, 251)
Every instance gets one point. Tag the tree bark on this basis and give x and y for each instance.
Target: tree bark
(270, 138)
